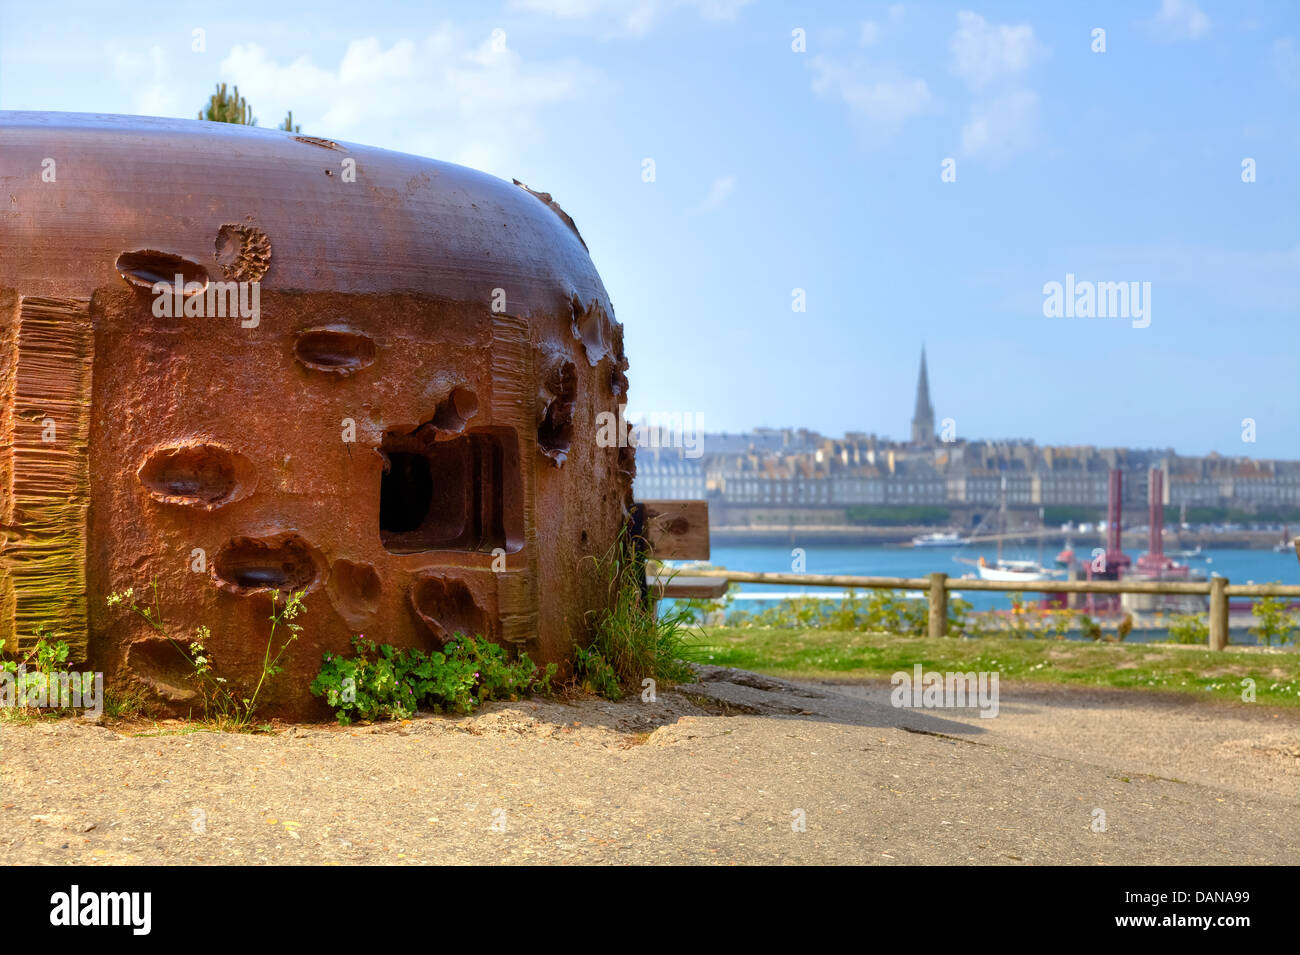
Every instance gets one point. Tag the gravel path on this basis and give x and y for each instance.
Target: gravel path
(723, 771)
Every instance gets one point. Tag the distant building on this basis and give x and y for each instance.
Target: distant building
(923, 419)
(779, 440)
(666, 474)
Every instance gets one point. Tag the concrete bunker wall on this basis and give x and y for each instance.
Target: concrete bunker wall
(413, 464)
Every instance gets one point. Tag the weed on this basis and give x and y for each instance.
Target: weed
(1274, 622)
(38, 664)
(381, 681)
(125, 704)
(1188, 628)
(630, 639)
(222, 704)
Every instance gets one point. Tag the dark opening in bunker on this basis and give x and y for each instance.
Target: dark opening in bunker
(405, 493)
(459, 494)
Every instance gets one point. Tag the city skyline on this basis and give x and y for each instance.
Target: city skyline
(923, 432)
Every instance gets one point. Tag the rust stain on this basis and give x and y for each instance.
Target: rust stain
(243, 252)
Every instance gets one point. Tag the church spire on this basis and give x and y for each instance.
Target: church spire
(923, 419)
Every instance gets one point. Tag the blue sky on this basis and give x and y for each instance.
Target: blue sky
(821, 170)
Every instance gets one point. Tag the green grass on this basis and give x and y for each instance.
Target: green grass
(854, 655)
(633, 643)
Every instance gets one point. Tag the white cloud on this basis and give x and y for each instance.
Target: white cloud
(1001, 126)
(720, 191)
(149, 77)
(882, 100)
(1180, 20)
(982, 51)
(870, 33)
(636, 17)
(456, 99)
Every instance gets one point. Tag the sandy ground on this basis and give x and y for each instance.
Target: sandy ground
(737, 768)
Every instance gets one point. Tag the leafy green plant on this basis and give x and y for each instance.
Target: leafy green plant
(43, 658)
(380, 681)
(1274, 620)
(222, 703)
(1188, 628)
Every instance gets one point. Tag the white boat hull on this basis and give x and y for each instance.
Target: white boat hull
(938, 540)
(1022, 576)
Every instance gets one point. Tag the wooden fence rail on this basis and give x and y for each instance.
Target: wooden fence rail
(938, 585)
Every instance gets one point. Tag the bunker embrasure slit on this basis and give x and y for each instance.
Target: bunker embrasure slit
(405, 493)
(459, 494)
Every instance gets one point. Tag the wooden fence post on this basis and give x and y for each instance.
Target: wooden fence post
(1218, 613)
(938, 605)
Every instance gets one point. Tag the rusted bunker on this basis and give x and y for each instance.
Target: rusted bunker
(375, 380)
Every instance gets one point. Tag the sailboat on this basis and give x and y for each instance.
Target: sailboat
(1005, 569)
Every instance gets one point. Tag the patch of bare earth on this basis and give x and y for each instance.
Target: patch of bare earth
(735, 768)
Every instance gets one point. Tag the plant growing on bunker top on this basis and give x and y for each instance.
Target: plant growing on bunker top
(222, 703)
(382, 682)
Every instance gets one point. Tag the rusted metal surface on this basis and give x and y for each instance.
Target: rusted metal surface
(677, 529)
(371, 383)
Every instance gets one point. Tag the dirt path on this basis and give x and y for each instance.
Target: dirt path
(678, 781)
